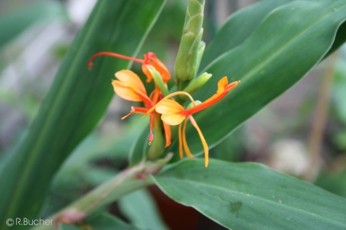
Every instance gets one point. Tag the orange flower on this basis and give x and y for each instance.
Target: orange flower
(150, 59)
(172, 113)
(130, 87)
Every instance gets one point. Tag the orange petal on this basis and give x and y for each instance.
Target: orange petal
(131, 80)
(221, 85)
(125, 92)
(173, 118)
(232, 85)
(168, 134)
(168, 106)
(130, 87)
(147, 73)
(172, 112)
(151, 59)
(180, 137)
(223, 89)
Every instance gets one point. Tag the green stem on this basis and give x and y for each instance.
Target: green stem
(191, 48)
(129, 180)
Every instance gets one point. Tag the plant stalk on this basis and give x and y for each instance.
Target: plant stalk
(127, 181)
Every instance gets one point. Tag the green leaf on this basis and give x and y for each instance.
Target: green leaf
(140, 209)
(251, 196)
(230, 36)
(269, 62)
(75, 104)
(333, 181)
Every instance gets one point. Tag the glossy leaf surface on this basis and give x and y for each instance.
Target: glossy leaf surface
(252, 196)
(268, 62)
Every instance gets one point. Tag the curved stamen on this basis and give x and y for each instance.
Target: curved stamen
(111, 54)
(185, 145)
(204, 142)
(180, 139)
(135, 110)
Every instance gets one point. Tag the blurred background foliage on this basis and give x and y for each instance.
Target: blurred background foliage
(302, 133)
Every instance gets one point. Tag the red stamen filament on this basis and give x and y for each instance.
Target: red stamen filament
(111, 54)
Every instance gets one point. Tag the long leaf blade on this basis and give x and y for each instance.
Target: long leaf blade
(269, 62)
(230, 36)
(76, 102)
(252, 196)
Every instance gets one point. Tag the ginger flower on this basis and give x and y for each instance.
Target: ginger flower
(161, 108)
(150, 59)
(173, 113)
(130, 87)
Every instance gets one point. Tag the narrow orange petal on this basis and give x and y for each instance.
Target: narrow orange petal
(223, 89)
(151, 59)
(180, 138)
(232, 85)
(204, 142)
(147, 73)
(168, 134)
(221, 85)
(186, 147)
